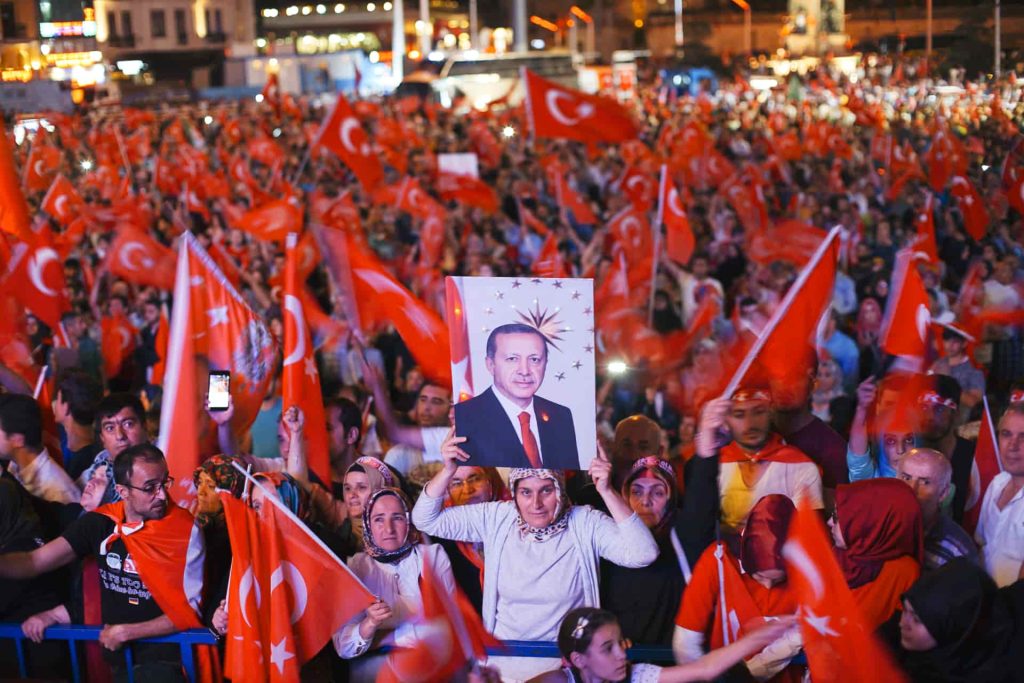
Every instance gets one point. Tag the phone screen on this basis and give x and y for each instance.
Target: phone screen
(220, 390)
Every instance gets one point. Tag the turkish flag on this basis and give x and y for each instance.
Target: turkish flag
(458, 333)
(945, 157)
(373, 297)
(212, 328)
(904, 329)
(267, 152)
(287, 593)
(272, 221)
(924, 222)
(794, 324)
(571, 202)
(632, 233)
(838, 645)
(136, 257)
(432, 237)
(788, 146)
(342, 134)
(300, 381)
(639, 187)
(972, 206)
(789, 240)
(747, 201)
(156, 372)
(527, 219)
(555, 111)
(985, 467)
(414, 200)
(452, 636)
(41, 166)
(1015, 193)
(679, 240)
(467, 190)
(38, 276)
(14, 217)
(271, 92)
(549, 262)
(117, 344)
(62, 201)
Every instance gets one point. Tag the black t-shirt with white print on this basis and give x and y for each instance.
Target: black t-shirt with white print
(124, 598)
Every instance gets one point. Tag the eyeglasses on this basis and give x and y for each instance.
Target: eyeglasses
(151, 489)
(472, 481)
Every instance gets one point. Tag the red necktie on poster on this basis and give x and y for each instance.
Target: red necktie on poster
(529, 443)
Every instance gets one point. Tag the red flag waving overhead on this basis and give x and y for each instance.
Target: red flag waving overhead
(549, 262)
(794, 323)
(571, 202)
(555, 111)
(117, 344)
(39, 278)
(138, 258)
(156, 372)
(639, 187)
(986, 466)
(212, 328)
(467, 190)
(300, 381)
(374, 297)
(972, 206)
(41, 166)
(905, 325)
(287, 593)
(14, 216)
(450, 636)
(838, 645)
(62, 201)
(679, 236)
(272, 221)
(342, 134)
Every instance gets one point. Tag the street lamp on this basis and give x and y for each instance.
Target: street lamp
(747, 27)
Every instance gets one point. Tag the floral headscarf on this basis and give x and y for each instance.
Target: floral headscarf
(224, 475)
(412, 536)
(561, 521)
(378, 474)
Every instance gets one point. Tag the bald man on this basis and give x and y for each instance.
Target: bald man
(930, 474)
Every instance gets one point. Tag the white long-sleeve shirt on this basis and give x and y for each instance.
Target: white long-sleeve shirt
(398, 585)
(44, 478)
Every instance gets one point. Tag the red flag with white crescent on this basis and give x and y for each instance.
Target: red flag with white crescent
(300, 380)
(838, 644)
(287, 592)
(36, 278)
(41, 167)
(987, 464)
(458, 334)
(972, 206)
(924, 222)
(136, 257)
(344, 136)
(555, 111)
(679, 240)
(272, 221)
(117, 344)
(904, 329)
(62, 201)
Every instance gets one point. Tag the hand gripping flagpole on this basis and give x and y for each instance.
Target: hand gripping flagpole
(777, 316)
(272, 497)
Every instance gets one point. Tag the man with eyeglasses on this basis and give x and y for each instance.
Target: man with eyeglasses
(120, 424)
(149, 556)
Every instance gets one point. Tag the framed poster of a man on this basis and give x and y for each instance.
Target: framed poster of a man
(523, 370)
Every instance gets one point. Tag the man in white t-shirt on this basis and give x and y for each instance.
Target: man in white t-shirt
(1000, 531)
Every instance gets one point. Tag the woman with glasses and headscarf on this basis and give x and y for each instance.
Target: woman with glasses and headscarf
(542, 553)
(390, 566)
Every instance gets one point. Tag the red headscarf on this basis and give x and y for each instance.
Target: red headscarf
(765, 533)
(881, 521)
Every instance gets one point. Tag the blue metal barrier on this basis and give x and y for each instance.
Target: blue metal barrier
(73, 634)
(185, 640)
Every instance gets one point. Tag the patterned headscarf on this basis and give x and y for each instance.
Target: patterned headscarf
(561, 521)
(378, 474)
(294, 497)
(225, 476)
(412, 536)
(653, 467)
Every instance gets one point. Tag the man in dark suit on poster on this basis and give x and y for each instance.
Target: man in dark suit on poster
(508, 425)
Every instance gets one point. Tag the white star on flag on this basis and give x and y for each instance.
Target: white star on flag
(279, 654)
(196, 280)
(310, 366)
(819, 624)
(218, 315)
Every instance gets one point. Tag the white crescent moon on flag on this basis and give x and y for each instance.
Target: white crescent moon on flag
(551, 99)
(287, 572)
(294, 307)
(674, 203)
(244, 586)
(125, 257)
(922, 317)
(126, 337)
(631, 183)
(60, 204)
(40, 171)
(795, 553)
(35, 269)
(345, 133)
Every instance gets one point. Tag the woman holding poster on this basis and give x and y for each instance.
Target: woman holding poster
(542, 552)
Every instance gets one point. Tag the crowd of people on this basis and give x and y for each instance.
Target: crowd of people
(689, 482)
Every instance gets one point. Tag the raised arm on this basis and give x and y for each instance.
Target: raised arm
(395, 431)
(460, 523)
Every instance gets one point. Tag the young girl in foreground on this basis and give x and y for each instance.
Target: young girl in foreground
(593, 648)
